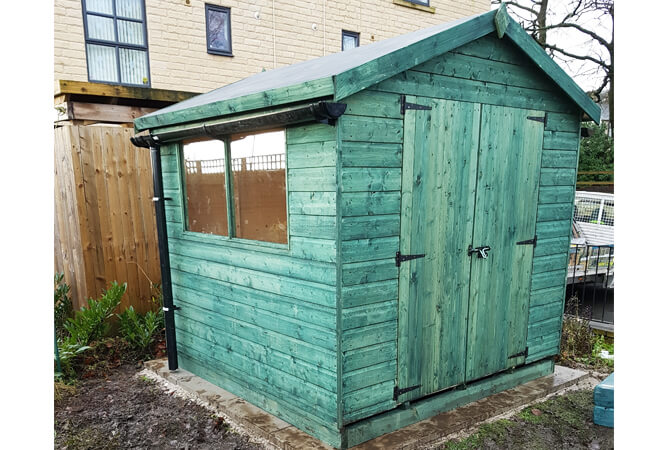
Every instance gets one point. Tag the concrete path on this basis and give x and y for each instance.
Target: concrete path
(277, 433)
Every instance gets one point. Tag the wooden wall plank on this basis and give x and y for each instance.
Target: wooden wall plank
(356, 179)
(370, 154)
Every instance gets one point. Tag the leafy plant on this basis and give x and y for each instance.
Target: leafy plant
(577, 336)
(579, 343)
(140, 329)
(62, 303)
(90, 324)
(68, 351)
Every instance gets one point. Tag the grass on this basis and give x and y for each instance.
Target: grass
(563, 421)
(494, 431)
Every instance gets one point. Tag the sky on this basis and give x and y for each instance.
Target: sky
(586, 73)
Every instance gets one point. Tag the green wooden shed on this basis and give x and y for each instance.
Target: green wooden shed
(360, 241)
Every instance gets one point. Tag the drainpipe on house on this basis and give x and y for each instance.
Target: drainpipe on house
(151, 142)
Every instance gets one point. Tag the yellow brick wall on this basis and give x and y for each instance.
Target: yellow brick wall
(283, 34)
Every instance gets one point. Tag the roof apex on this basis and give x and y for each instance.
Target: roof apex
(342, 74)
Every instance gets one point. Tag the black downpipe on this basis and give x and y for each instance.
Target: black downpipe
(165, 271)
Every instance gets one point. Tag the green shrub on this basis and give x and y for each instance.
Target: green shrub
(91, 323)
(88, 324)
(140, 330)
(62, 304)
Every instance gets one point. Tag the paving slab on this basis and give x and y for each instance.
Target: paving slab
(279, 434)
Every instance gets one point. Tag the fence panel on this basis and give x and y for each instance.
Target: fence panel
(104, 215)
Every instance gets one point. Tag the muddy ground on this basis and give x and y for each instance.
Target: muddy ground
(561, 422)
(125, 411)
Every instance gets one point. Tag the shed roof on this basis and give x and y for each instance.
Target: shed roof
(339, 75)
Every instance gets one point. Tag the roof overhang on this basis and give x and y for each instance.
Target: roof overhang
(365, 66)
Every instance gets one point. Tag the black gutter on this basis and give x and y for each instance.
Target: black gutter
(325, 112)
(151, 142)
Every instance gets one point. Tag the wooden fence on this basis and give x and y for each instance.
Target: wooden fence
(104, 216)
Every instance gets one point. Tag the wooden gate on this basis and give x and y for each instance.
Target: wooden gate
(469, 180)
(104, 220)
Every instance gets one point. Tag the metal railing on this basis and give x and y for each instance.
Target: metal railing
(595, 208)
(590, 277)
(251, 163)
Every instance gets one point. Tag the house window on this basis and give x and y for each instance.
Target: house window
(419, 2)
(116, 42)
(218, 33)
(239, 181)
(349, 39)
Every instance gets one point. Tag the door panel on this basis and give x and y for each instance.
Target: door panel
(438, 194)
(506, 202)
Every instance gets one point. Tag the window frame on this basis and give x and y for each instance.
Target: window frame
(116, 44)
(421, 3)
(231, 237)
(353, 34)
(209, 7)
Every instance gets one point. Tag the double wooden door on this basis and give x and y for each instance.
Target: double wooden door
(470, 181)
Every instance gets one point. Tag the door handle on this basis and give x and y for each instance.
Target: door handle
(481, 251)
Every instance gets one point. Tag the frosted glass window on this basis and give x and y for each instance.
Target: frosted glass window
(116, 48)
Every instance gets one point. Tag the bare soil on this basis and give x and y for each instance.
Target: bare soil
(561, 422)
(124, 411)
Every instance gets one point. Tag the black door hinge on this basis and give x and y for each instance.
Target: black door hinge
(542, 119)
(522, 353)
(405, 105)
(398, 392)
(399, 258)
(529, 242)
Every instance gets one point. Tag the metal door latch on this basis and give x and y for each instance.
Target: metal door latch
(481, 251)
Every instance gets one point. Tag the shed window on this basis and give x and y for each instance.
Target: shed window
(205, 186)
(349, 39)
(218, 34)
(257, 206)
(116, 48)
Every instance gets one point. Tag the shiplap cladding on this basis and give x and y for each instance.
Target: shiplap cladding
(489, 71)
(257, 319)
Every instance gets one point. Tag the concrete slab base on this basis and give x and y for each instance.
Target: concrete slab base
(277, 433)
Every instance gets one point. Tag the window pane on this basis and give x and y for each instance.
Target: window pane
(102, 63)
(101, 28)
(349, 42)
(218, 30)
(204, 162)
(129, 8)
(134, 67)
(258, 167)
(130, 32)
(100, 6)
